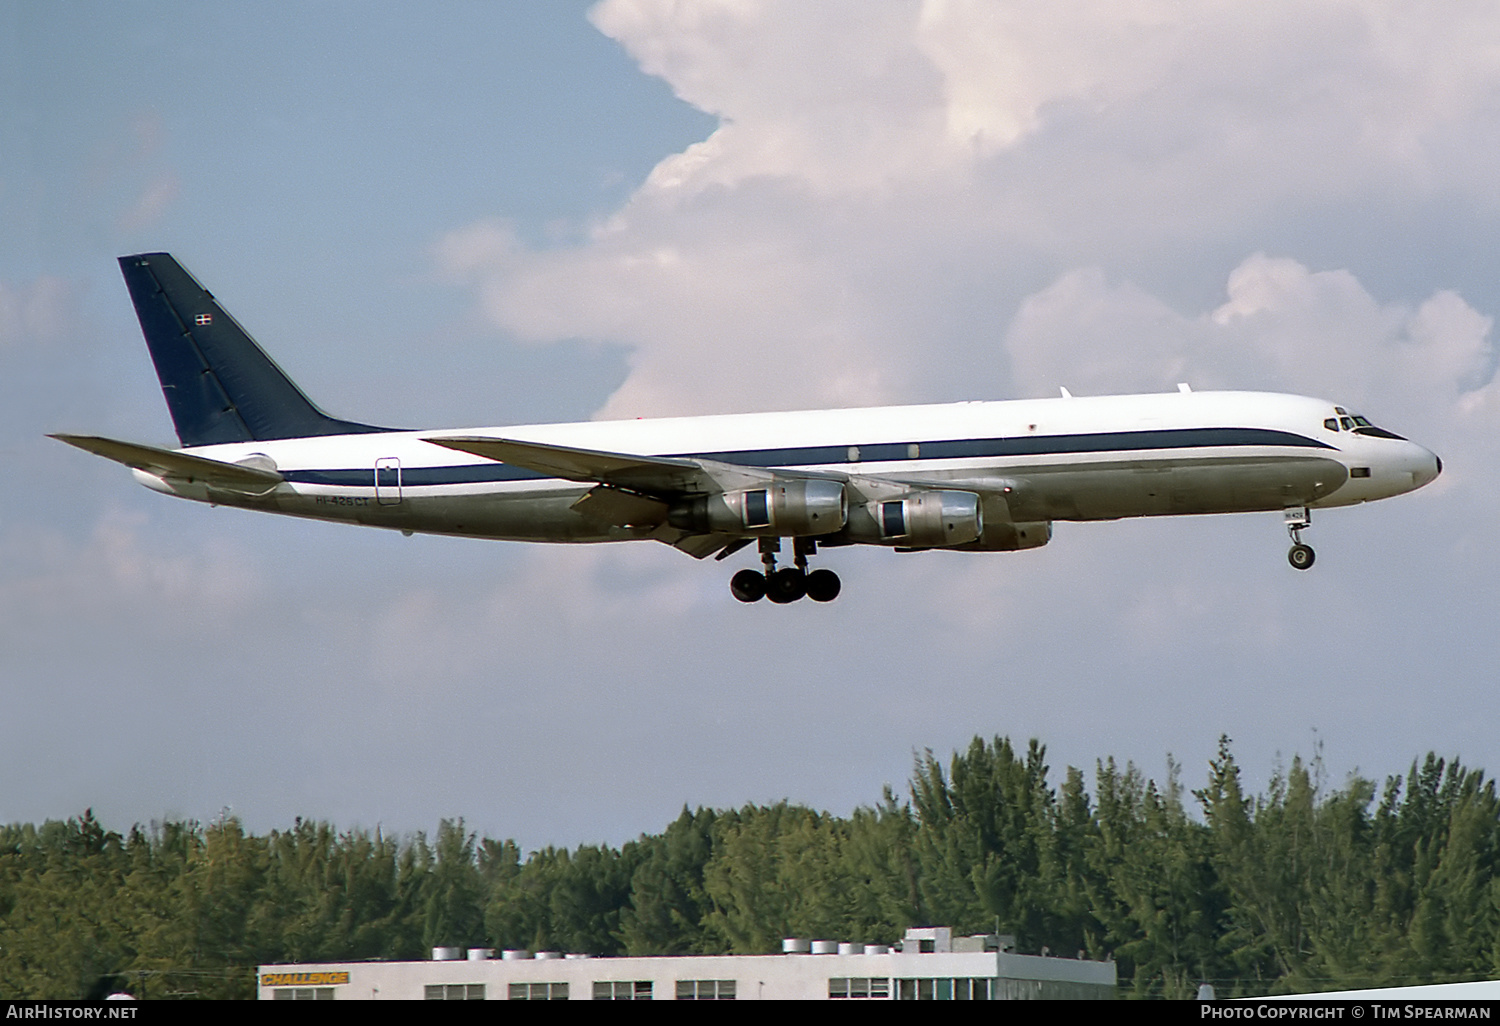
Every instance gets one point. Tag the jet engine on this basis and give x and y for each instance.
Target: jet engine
(802, 507)
(920, 520)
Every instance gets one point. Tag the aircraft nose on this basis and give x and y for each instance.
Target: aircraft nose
(1428, 466)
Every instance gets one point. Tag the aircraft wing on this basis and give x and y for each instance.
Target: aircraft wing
(234, 477)
(662, 476)
(657, 474)
(632, 491)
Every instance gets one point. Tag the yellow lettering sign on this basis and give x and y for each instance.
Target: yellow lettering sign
(302, 979)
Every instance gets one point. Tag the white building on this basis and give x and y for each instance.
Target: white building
(929, 964)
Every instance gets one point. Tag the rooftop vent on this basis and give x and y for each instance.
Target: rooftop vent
(985, 942)
(923, 939)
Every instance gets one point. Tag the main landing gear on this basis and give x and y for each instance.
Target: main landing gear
(1300, 556)
(789, 583)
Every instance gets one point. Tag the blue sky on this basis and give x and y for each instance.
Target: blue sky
(508, 213)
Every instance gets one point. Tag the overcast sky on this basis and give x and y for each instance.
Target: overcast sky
(501, 213)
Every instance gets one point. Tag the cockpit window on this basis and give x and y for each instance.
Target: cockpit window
(1346, 421)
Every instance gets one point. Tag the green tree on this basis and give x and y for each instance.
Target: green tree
(983, 830)
(668, 901)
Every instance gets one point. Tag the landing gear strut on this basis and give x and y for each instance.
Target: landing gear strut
(1300, 556)
(789, 583)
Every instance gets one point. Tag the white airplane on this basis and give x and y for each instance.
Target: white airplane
(974, 477)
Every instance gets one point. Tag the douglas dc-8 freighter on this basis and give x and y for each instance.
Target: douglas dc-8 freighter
(973, 477)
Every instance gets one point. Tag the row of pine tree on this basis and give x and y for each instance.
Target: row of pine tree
(1301, 888)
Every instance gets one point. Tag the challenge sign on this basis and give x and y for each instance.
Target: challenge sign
(302, 979)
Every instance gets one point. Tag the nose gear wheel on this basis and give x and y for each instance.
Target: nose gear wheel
(1300, 556)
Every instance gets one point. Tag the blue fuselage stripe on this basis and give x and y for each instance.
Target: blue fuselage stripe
(1113, 442)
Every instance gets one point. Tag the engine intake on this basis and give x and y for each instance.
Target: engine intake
(924, 520)
(796, 508)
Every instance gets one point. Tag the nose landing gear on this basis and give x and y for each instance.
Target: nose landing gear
(789, 583)
(1300, 556)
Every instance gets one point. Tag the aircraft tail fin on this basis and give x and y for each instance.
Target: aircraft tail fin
(219, 385)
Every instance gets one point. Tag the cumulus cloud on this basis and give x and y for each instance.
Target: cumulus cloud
(1427, 369)
(1282, 325)
(953, 200)
(834, 96)
(889, 183)
(949, 202)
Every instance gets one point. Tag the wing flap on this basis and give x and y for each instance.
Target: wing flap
(622, 508)
(701, 546)
(234, 477)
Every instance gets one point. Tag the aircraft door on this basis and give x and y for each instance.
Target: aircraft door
(388, 481)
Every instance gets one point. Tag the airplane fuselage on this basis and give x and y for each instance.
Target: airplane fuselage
(1076, 458)
(976, 476)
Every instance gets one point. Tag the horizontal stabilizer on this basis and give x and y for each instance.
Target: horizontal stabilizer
(234, 477)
